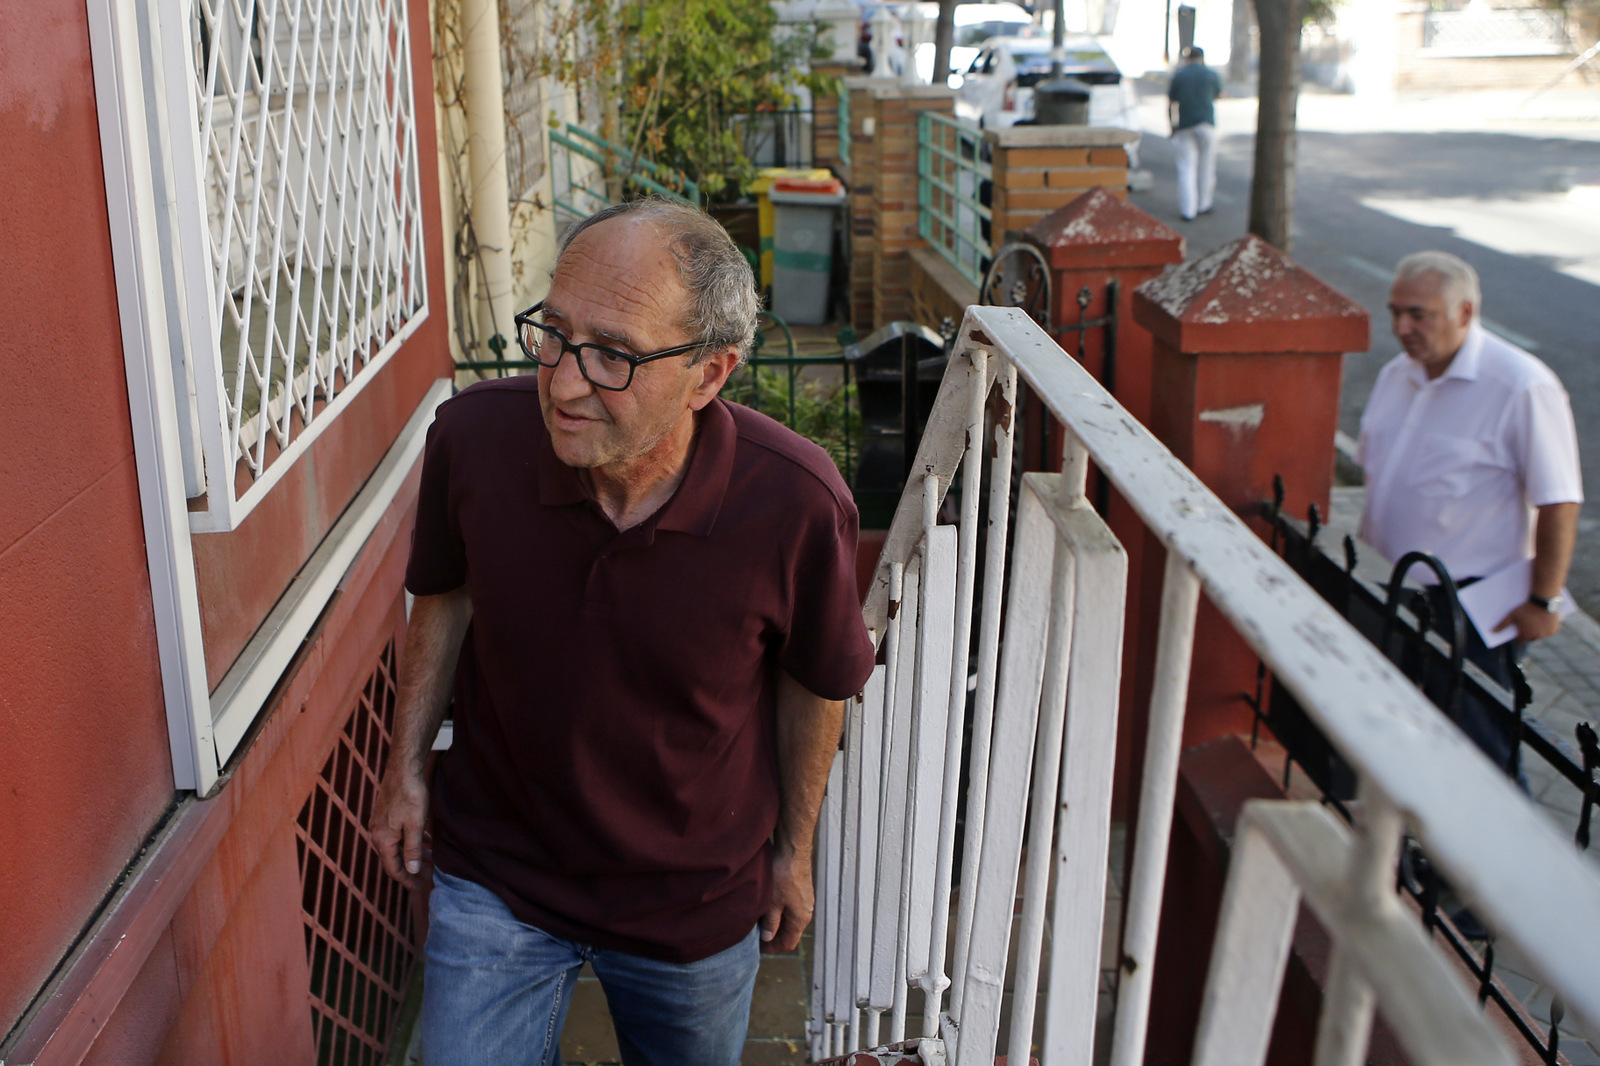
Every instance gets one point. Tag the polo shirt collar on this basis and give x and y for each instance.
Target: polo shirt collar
(1464, 367)
(693, 508)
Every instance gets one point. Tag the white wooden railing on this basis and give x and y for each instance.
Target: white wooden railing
(1045, 684)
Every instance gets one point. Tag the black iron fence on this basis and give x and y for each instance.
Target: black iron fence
(773, 138)
(1399, 619)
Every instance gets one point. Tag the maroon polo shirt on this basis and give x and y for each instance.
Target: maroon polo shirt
(613, 776)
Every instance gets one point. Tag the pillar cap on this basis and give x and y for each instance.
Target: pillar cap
(867, 81)
(1060, 137)
(1101, 230)
(1247, 296)
(887, 89)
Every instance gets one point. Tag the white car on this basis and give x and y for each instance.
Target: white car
(973, 25)
(996, 90)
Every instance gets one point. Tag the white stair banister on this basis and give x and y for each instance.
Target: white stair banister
(1046, 664)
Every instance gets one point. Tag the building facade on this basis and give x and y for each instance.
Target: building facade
(225, 336)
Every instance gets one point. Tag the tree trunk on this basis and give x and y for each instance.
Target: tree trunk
(943, 31)
(1278, 93)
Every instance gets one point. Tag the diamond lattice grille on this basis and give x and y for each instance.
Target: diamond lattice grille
(308, 152)
(359, 941)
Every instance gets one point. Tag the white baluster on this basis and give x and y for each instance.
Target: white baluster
(1180, 599)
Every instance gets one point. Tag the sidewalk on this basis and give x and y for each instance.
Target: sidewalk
(1567, 112)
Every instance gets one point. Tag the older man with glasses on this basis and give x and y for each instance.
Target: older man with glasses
(644, 601)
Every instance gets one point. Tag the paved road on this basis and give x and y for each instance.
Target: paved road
(1518, 198)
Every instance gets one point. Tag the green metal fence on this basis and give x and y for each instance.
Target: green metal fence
(819, 405)
(951, 175)
(586, 159)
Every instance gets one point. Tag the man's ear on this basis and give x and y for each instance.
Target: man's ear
(1464, 314)
(714, 370)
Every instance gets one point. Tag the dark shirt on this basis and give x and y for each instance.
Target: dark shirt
(613, 774)
(1194, 87)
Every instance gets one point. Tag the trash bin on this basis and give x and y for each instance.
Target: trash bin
(1061, 102)
(802, 248)
(761, 187)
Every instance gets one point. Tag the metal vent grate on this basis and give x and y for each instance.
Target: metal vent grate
(358, 930)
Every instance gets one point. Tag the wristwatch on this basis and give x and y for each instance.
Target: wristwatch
(1553, 604)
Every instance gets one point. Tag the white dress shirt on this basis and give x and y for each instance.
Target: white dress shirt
(1456, 465)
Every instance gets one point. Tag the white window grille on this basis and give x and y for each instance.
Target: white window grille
(265, 216)
(298, 221)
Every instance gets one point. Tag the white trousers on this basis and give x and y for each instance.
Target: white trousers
(1196, 152)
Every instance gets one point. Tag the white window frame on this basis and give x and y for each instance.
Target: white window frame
(239, 263)
(162, 252)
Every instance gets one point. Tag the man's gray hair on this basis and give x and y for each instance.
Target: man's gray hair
(1460, 280)
(723, 303)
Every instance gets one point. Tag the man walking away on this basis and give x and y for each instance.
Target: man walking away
(1194, 88)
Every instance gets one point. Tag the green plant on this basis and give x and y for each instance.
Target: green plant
(824, 412)
(695, 64)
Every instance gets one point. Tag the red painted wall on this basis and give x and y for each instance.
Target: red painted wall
(234, 989)
(86, 770)
(243, 573)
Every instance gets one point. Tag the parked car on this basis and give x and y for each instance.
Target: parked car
(996, 89)
(974, 24)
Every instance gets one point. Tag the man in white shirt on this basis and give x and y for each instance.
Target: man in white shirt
(1470, 453)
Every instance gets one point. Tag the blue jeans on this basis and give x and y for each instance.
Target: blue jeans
(497, 990)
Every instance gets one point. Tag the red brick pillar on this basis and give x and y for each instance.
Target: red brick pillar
(883, 194)
(895, 203)
(1245, 385)
(1038, 169)
(1096, 239)
(864, 167)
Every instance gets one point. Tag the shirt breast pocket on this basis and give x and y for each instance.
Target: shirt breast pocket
(1446, 467)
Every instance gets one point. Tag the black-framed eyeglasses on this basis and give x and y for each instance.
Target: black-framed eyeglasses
(602, 367)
